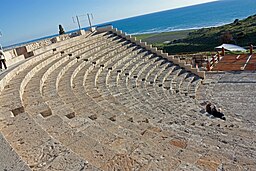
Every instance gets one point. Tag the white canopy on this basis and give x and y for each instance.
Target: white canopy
(230, 47)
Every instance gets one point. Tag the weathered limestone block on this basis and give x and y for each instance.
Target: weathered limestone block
(9, 159)
(100, 134)
(122, 162)
(59, 108)
(37, 148)
(11, 101)
(188, 166)
(39, 107)
(95, 153)
(179, 143)
(70, 162)
(81, 32)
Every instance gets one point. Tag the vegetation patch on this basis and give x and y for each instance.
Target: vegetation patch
(240, 32)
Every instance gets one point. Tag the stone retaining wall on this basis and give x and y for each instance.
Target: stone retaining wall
(12, 57)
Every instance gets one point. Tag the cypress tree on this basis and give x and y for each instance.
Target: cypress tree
(61, 30)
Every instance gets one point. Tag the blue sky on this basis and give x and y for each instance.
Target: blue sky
(23, 20)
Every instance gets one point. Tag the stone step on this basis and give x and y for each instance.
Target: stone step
(9, 159)
(37, 148)
(16, 87)
(17, 106)
(132, 110)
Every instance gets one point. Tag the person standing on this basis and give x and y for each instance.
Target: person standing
(2, 60)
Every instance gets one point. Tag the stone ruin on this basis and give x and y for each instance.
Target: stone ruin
(105, 101)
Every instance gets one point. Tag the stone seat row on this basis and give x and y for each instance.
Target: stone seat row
(121, 100)
(101, 112)
(25, 71)
(103, 136)
(39, 79)
(113, 119)
(36, 118)
(4, 124)
(91, 87)
(57, 111)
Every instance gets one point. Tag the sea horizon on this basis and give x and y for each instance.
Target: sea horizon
(186, 18)
(204, 15)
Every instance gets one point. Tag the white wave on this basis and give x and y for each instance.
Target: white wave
(171, 29)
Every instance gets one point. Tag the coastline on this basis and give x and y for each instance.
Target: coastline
(239, 32)
(156, 37)
(172, 29)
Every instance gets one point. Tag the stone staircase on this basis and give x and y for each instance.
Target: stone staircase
(108, 102)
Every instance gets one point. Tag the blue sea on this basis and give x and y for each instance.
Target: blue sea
(192, 17)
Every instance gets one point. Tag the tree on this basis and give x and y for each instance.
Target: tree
(61, 30)
(236, 21)
(227, 38)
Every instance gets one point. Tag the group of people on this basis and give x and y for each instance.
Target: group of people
(2, 60)
(212, 109)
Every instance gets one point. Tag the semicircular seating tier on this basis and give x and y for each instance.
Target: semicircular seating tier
(100, 101)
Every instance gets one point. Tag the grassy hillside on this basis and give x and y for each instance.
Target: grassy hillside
(159, 38)
(240, 32)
